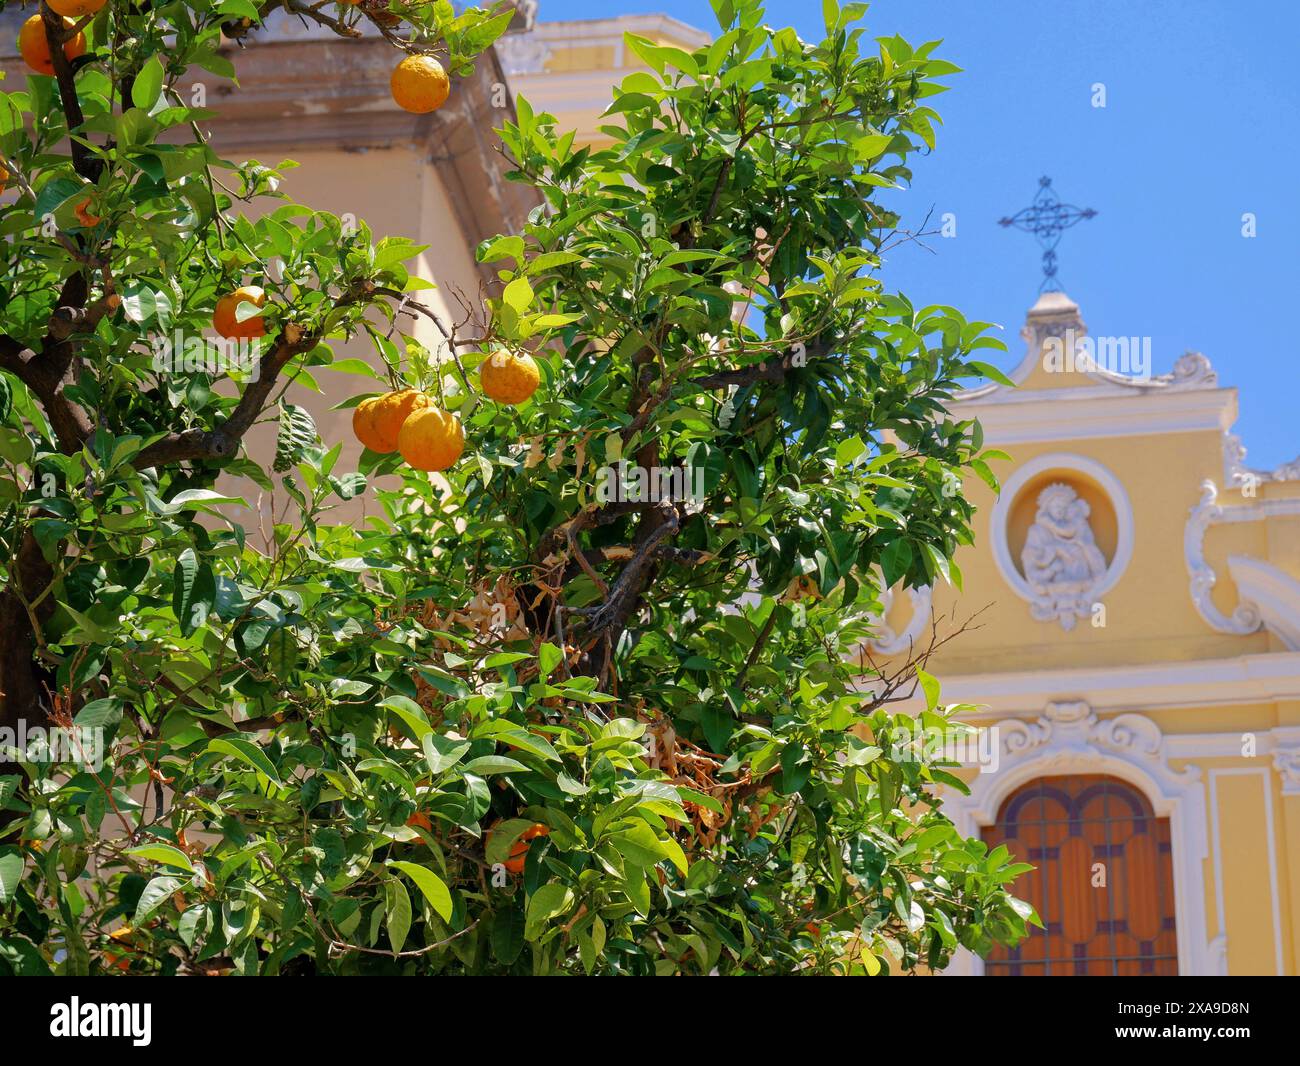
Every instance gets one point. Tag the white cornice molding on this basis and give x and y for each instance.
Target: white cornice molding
(1238, 474)
(1261, 678)
(1285, 747)
(1085, 412)
(1274, 594)
(584, 32)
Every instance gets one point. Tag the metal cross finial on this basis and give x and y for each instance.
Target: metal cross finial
(1047, 218)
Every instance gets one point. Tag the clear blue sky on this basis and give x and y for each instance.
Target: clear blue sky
(1201, 124)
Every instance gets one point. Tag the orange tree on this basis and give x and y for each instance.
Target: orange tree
(590, 699)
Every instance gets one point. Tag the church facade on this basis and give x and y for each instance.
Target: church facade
(1135, 659)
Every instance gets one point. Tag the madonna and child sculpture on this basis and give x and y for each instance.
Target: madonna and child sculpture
(1061, 561)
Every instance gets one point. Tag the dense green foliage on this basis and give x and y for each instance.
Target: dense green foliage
(310, 734)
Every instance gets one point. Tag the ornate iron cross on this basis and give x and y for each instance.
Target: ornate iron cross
(1047, 218)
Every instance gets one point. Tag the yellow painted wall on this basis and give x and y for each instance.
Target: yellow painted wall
(1149, 613)
(1245, 846)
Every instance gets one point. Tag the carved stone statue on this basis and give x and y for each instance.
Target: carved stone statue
(1062, 563)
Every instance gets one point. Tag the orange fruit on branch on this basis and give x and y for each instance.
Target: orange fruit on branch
(75, 8)
(122, 939)
(84, 217)
(363, 427)
(34, 46)
(377, 421)
(431, 439)
(508, 378)
(420, 84)
(391, 412)
(225, 322)
(519, 849)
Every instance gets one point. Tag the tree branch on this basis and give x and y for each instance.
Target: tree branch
(223, 442)
(83, 161)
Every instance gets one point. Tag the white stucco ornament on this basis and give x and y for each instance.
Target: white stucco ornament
(1062, 563)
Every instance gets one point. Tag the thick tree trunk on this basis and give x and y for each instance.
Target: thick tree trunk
(22, 678)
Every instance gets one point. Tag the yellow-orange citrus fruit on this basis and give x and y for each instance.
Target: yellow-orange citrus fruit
(431, 439)
(75, 8)
(363, 423)
(519, 849)
(4, 178)
(508, 378)
(225, 322)
(389, 415)
(420, 85)
(35, 47)
(82, 211)
(121, 960)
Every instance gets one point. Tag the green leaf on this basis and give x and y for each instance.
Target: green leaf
(411, 713)
(442, 753)
(99, 714)
(493, 764)
(519, 295)
(849, 450)
(11, 872)
(163, 853)
(896, 561)
(991, 372)
(148, 84)
(155, 894)
(548, 657)
(247, 753)
(430, 884)
(508, 934)
(194, 591)
(547, 902)
(397, 913)
(297, 435)
(930, 686)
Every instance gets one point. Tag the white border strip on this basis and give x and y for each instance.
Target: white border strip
(1271, 829)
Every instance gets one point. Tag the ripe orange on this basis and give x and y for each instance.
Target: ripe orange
(421, 820)
(508, 378)
(519, 849)
(391, 412)
(420, 84)
(82, 211)
(35, 47)
(431, 439)
(376, 421)
(75, 8)
(4, 178)
(122, 937)
(225, 322)
(363, 425)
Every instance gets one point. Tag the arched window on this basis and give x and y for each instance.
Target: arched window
(1102, 884)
